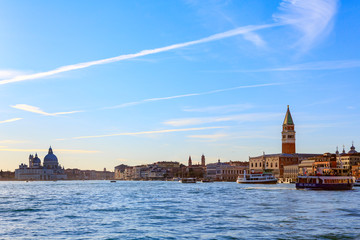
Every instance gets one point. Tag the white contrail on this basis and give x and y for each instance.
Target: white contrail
(149, 132)
(192, 94)
(10, 120)
(231, 33)
(37, 110)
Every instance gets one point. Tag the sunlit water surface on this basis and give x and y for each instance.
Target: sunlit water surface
(171, 210)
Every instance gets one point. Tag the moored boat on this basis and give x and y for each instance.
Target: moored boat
(207, 180)
(357, 183)
(257, 178)
(188, 180)
(325, 182)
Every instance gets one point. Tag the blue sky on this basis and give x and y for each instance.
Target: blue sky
(131, 82)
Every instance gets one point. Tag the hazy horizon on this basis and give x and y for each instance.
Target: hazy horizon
(136, 82)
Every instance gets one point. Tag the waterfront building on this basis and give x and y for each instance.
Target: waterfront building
(50, 170)
(128, 173)
(140, 172)
(156, 171)
(173, 169)
(355, 171)
(291, 172)
(214, 170)
(306, 167)
(77, 174)
(288, 156)
(233, 169)
(7, 175)
(196, 170)
(225, 171)
(349, 159)
(325, 164)
(119, 171)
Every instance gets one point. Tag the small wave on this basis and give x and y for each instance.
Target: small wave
(110, 209)
(340, 236)
(26, 210)
(268, 188)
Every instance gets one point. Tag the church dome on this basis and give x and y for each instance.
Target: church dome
(352, 149)
(36, 159)
(50, 159)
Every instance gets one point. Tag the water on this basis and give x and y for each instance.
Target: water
(171, 210)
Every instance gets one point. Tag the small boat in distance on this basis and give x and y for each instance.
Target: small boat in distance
(188, 180)
(207, 180)
(325, 182)
(257, 178)
(112, 181)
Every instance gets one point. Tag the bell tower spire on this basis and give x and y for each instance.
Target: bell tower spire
(288, 134)
(189, 162)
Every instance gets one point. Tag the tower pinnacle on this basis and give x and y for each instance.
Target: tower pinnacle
(288, 134)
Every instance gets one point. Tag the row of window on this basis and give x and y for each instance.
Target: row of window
(289, 136)
(267, 165)
(232, 172)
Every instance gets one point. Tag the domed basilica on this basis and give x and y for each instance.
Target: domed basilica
(50, 170)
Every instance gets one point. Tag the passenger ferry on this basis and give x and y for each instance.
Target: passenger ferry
(188, 180)
(257, 178)
(325, 182)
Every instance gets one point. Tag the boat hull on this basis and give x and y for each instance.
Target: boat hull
(257, 182)
(315, 186)
(188, 180)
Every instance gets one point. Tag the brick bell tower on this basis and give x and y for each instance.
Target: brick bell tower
(288, 134)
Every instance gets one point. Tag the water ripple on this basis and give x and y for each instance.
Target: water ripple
(171, 210)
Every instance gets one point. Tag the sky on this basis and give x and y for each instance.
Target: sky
(135, 82)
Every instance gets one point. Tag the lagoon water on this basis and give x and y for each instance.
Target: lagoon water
(171, 210)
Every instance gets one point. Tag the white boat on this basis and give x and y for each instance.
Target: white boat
(257, 178)
(357, 183)
(188, 180)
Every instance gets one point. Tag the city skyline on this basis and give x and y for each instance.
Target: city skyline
(105, 85)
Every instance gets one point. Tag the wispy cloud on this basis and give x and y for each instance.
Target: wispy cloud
(227, 34)
(322, 65)
(45, 150)
(255, 39)
(209, 136)
(312, 18)
(193, 94)
(309, 66)
(10, 120)
(221, 109)
(12, 141)
(4, 73)
(250, 117)
(150, 132)
(37, 110)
